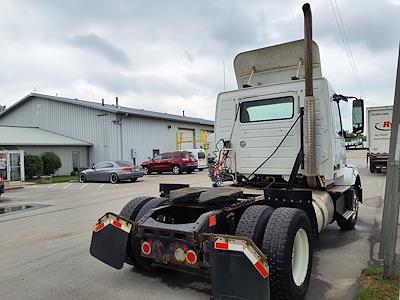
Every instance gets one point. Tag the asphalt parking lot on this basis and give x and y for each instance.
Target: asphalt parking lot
(44, 250)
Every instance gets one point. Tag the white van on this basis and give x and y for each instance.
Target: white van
(201, 157)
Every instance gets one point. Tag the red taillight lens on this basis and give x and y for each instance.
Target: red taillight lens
(1, 179)
(126, 170)
(146, 248)
(212, 221)
(185, 159)
(191, 257)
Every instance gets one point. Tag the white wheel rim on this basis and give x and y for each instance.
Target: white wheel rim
(300, 257)
(175, 170)
(146, 171)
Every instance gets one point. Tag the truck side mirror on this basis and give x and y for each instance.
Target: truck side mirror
(358, 116)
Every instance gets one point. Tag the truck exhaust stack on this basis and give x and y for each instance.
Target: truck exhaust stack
(309, 101)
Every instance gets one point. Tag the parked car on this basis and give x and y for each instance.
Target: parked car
(1, 185)
(177, 162)
(201, 157)
(111, 171)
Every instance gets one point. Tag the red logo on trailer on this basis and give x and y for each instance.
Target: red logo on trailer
(383, 126)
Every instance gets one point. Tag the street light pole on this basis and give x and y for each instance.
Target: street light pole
(392, 192)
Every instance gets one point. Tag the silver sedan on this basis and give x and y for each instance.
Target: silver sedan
(111, 171)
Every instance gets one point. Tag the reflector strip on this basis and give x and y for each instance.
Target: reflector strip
(117, 224)
(99, 227)
(113, 220)
(247, 249)
(221, 246)
(263, 271)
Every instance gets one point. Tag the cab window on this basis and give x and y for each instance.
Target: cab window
(267, 109)
(337, 122)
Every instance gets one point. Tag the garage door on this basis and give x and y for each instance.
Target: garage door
(188, 137)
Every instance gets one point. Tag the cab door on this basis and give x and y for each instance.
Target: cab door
(338, 151)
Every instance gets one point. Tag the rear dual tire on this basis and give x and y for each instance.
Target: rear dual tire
(287, 244)
(253, 221)
(285, 237)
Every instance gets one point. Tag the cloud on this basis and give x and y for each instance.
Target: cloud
(167, 55)
(95, 44)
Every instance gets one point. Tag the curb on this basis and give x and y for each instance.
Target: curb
(13, 188)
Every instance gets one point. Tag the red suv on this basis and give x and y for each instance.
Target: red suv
(177, 162)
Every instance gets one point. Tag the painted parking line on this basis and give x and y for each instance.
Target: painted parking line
(83, 186)
(49, 187)
(67, 185)
(101, 185)
(12, 197)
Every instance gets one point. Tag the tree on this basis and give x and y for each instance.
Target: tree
(51, 163)
(33, 165)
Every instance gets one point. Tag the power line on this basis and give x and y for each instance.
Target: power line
(346, 44)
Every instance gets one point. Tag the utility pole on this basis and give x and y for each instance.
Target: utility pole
(392, 192)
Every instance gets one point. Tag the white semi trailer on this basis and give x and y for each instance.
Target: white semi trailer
(379, 120)
(281, 144)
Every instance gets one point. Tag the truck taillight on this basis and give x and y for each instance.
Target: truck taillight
(191, 257)
(146, 248)
(179, 254)
(1, 179)
(126, 170)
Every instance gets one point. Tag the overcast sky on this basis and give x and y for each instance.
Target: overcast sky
(167, 55)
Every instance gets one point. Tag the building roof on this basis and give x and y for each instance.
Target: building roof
(112, 109)
(33, 136)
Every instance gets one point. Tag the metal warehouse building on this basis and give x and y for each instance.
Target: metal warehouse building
(83, 132)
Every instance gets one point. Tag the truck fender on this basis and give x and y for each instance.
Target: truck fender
(351, 176)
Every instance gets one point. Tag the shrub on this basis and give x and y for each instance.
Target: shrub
(33, 165)
(51, 163)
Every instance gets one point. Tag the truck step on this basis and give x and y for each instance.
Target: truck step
(348, 214)
(338, 189)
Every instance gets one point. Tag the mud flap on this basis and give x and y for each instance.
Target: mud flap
(238, 271)
(109, 240)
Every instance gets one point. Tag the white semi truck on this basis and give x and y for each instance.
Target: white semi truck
(281, 143)
(379, 120)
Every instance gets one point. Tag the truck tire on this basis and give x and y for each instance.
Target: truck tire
(253, 221)
(153, 203)
(141, 262)
(350, 223)
(130, 211)
(287, 245)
